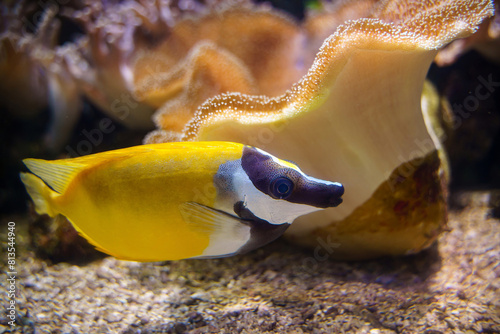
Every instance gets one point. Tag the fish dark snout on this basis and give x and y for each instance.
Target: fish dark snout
(317, 193)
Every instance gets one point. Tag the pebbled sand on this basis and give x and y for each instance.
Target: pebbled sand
(451, 288)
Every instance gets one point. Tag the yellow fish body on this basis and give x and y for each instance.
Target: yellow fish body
(177, 200)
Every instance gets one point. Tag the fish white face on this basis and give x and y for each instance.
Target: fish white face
(265, 194)
(261, 186)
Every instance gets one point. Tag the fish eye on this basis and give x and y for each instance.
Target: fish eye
(281, 187)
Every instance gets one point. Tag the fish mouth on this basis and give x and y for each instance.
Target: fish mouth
(336, 199)
(335, 202)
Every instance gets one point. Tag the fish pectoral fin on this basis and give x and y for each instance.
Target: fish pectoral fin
(227, 233)
(207, 220)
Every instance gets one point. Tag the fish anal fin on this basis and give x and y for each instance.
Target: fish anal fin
(57, 174)
(90, 240)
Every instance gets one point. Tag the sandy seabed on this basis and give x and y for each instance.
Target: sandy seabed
(451, 288)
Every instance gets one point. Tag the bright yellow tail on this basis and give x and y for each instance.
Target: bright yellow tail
(40, 193)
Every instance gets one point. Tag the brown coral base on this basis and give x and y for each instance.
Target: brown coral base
(404, 215)
(452, 287)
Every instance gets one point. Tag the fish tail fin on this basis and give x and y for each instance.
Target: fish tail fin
(40, 193)
(56, 174)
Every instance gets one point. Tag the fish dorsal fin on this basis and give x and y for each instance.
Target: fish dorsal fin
(57, 174)
(227, 233)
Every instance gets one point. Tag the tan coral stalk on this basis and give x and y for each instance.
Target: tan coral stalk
(266, 42)
(356, 118)
(250, 50)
